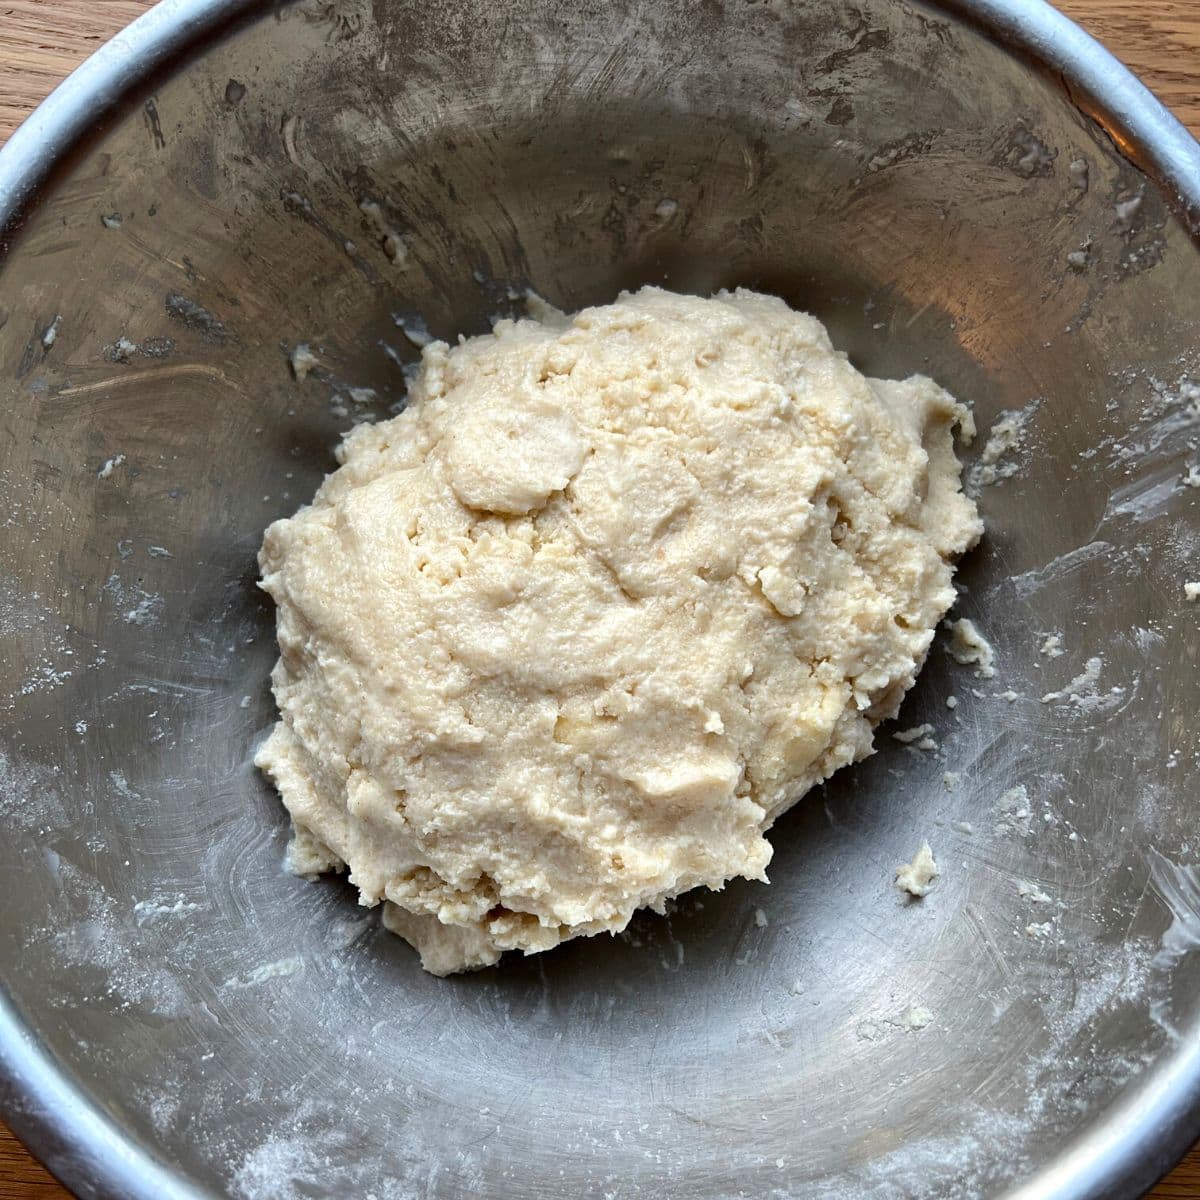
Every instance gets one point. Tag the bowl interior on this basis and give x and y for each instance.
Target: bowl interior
(329, 174)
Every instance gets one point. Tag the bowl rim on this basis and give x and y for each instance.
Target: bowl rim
(1152, 1123)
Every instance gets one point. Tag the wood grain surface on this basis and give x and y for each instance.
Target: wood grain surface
(41, 41)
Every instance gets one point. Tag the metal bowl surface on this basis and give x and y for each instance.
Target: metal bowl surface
(968, 188)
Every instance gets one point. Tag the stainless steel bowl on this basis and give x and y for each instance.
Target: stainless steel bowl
(971, 188)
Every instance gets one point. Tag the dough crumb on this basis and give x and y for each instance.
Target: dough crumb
(916, 878)
(916, 1017)
(1127, 210)
(1016, 814)
(564, 638)
(302, 361)
(1081, 259)
(1052, 646)
(1081, 687)
(391, 242)
(1191, 592)
(970, 648)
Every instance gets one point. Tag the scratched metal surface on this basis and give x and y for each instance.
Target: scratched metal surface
(884, 167)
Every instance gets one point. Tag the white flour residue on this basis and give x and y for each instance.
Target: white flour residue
(133, 604)
(45, 677)
(1170, 416)
(101, 939)
(272, 970)
(20, 781)
(50, 657)
(159, 906)
(1029, 583)
(272, 1170)
(1178, 887)
(315, 1152)
(998, 459)
(1144, 499)
(164, 1107)
(1016, 812)
(1032, 893)
(960, 1162)
(125, 349)
(1083, 686)
(143, 613)
(1191, 592)
(1083, 692)
(1148, 641)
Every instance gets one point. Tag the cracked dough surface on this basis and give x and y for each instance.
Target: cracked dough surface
(564, 638)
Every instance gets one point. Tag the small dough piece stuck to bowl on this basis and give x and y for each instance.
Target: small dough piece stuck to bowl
(565, 637)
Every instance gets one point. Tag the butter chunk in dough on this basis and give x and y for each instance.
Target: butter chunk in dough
(564, 638)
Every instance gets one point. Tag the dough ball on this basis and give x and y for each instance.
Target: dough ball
(565, 637)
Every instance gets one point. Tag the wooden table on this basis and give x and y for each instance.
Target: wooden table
(43, 40)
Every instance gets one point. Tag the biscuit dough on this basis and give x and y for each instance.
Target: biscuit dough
(566, 636)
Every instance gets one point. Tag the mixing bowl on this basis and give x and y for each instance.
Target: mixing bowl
(968, 188)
